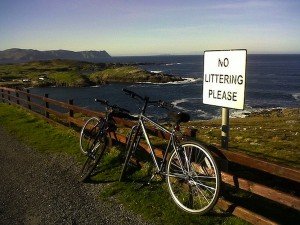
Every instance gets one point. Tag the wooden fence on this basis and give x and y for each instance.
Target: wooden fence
(261, 170)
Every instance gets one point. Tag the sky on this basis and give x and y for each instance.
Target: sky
(151, 27)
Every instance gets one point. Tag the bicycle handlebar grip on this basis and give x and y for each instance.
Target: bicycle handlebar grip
(103, 102)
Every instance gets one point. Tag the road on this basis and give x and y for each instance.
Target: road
(39, 188)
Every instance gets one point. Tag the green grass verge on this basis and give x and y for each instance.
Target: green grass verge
(38, 134)
(152, 202)
(273, 135)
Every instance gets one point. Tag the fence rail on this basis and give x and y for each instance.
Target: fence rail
(45, 109)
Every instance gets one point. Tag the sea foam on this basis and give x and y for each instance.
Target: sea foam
(296, 96)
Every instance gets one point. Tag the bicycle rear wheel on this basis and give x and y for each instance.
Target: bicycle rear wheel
(88, 134)
(193, 178)
(93, 158)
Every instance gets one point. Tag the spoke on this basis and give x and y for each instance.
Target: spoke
(176, 175)
(187, 161)
(207, 187)
(176, 165)
(188, 154)
(197, 156)
(179, 160)
(191, 153)
(205, 177)
(202, 194)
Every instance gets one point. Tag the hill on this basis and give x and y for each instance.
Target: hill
(71, 73)
(14, 55)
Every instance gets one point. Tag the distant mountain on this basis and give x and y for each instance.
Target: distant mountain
(26, 55)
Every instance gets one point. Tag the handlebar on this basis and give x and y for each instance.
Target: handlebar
(113, 107)
(133, 94)
(145, 99)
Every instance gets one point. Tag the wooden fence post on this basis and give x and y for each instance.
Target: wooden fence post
(71, 112)
(28, 99)
(191, 132)
(47, 106)
(17, 95)
(8, 97)
(2, 95)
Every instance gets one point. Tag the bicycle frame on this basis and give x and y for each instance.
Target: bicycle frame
(171, 142)
(189, 164)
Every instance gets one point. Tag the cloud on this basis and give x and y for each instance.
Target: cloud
(250, 4)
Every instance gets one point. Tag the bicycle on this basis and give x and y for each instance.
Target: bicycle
(192, 175)
(93, 136)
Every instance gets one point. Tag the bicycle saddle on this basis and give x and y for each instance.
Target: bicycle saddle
(180, 117)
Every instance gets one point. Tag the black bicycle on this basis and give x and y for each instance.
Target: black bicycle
(191, 172)
(94, 136)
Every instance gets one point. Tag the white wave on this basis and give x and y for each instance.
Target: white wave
(155, 71)
(296, 96)
(186, 80)
(240, 114)
(246, 112)
(172, 64)
(203, 114)
(177, 103)
(95, 86)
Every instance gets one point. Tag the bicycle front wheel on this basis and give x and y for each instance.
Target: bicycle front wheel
(88, 134)
(193, 178)
(93, 158)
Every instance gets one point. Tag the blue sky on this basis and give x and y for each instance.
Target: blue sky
(140, 27)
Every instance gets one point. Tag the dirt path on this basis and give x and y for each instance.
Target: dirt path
(36, 188)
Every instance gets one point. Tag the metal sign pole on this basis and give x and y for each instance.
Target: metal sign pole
(225, 128)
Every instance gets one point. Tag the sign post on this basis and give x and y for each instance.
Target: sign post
(225, 128)
(224, 81)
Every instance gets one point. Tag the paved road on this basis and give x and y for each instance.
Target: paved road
(36, 188)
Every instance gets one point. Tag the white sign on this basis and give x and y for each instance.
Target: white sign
(224, 78)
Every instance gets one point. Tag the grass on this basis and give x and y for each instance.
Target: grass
(152, 202)
(129, 74)
(71, 78)
(37, 133)
(272, 135)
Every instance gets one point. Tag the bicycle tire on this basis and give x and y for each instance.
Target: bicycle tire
(193, 184)
(88, 134)
(93, 159)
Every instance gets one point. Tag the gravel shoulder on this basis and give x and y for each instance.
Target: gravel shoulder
(37, 188)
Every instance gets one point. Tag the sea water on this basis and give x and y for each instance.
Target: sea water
(272, 81)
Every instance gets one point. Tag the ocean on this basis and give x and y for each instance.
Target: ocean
(272, 81)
